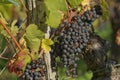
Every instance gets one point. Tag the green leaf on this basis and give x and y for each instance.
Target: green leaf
(3, 43)
(3, 19)
(56, 9)
(54, 19)
(104, 6)
(46, 43)
(5, 11)
(33, 31)
(33, 44)
(26, 58)
(14, 29)
(15, 2)
(3, 32)
(75, 3)
(33, 37)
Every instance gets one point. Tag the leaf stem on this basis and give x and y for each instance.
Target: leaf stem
(41, 52)
(31, 56)
(9, 32)
(2, 70)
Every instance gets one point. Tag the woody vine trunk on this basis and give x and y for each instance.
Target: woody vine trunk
(37, 15)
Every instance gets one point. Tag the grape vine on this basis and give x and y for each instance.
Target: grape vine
(74, 37)
(36, 70)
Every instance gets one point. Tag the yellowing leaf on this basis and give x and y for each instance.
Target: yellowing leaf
(46, 48)
(22, 42)
(46, 43)
(86, 2)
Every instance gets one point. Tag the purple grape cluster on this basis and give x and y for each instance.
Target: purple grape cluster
(36, 70)
(74, 37)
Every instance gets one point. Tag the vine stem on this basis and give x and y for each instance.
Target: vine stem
(69, 11)
(9, 32)
(1, 57)
(23, 5)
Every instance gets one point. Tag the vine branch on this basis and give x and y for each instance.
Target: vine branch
(1, 57)
(21, 1)
(9, 32)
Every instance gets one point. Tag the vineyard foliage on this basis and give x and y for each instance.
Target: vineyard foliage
(31, 39)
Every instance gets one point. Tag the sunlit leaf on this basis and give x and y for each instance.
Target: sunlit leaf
(14, 29)
(46, 43)
(75, 3)
(3, 19)
(55, 11)
(3, 32)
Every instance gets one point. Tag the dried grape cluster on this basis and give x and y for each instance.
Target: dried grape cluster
(36, 70)
(74, 37)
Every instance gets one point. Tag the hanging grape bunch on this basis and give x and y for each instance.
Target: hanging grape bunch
(36, 70)
(74, 37)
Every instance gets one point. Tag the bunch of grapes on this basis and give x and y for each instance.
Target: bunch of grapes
(74, 37)
(36, 70)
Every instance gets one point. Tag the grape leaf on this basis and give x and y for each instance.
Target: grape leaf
(15, 2)
(32, 37)
(3, 32)
(104, 6)
(86, 2)
(3, 43)
(54, 21)
(33, 31)
(75, 3)
(18, 62)
(5, 11)
(26, 58)
(3, 19)
(46, 43)
(56, 9)
(14, 29)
